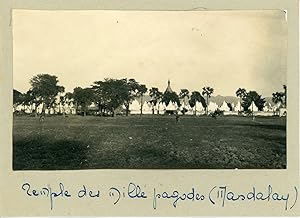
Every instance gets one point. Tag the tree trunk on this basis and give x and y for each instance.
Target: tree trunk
(43, 108)
(141, 105)
(240, 104)
(77, 108)
(252, 113)
(36, 107)
(99, 109)
(127, 110)
(206, 104)
(113, 112)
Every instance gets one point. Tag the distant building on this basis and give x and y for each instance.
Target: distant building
(172, 107)
(168, 89)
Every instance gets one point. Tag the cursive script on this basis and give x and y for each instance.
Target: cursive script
(215, 196)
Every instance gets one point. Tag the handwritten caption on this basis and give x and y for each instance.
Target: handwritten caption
(218, 195)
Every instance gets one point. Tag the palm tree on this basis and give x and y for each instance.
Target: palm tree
(241, 93)
(184, 93)
(277, 97)
(208, 92)
(285, 95)
(196, 96)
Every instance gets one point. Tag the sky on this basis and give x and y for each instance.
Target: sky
(225, 50)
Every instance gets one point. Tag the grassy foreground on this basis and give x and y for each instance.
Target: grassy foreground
(148, 142)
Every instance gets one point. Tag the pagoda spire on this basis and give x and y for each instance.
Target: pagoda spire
(169, 87)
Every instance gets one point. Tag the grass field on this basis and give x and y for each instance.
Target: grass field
(148, 142)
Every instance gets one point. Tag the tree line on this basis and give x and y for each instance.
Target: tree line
(109, 94)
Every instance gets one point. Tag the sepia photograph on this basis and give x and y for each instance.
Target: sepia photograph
(113, 89)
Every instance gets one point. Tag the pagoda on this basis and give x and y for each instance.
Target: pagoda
(171, 107)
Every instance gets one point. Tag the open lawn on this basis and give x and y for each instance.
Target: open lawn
(148, 142)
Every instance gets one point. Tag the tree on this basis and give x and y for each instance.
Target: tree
(83, 98)
(156, 96)
(285, 95)
(68, 99)
(61, 100)
(184, 93)
(141, 90)
(256, 98)
(208, 92)
(196, 96)
(132, 91)
(64, 100)
(29, 99)
(44, 89)
(277, 97)
(112, 93)
(18, 98)
(280, 96)
(241, 93)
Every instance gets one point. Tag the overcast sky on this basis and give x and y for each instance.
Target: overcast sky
(222, 49)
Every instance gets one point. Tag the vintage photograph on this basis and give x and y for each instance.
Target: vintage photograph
(111, 89)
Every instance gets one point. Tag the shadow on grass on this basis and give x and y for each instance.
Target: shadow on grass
(41, 153)
(264, 126)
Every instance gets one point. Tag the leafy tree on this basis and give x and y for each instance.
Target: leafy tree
(112, 93)
(44, 88)
(100, 96)
(69, 99)
(241, 93)
(156, 96)
(83, 98)
(132, 87)
(64, 100)
(29, 99)
(208, 91)
(256, 98)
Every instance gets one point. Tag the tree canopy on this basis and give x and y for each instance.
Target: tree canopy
(83, 98)
(196, 96)
(44, 89)
(18, 97)
(256, 98)
(280, 97)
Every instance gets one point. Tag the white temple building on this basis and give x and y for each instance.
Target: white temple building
(135, 107)
(147, 109)
(212, 106)
(224, 107)
(253, 107)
